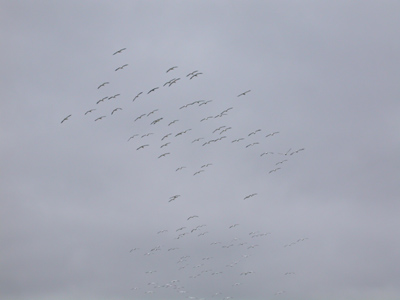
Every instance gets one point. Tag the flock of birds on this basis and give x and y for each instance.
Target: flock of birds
(161, 132)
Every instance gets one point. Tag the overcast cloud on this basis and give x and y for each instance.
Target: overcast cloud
(310, 212)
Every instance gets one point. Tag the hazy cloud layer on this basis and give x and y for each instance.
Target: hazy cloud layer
(87, 214)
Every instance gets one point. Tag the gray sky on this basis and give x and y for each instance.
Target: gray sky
(85, 215)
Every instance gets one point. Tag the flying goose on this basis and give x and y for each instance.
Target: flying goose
(101, 100)
(103, 84)
(195, 75)
(65, 119)
(244, 93)
(254, 132)
(121, 67)
(165, 136)
(190, 74)
(164, 154)
(166, 144)
(99, 118)
(152, 90)
(139, 117)
(132, 137)
(89, 111)
(118, 108)
(173, 122)
(141, 147)
(119, 51)
(272, 134)
(137, 96)
(170, 69)
(274, 170)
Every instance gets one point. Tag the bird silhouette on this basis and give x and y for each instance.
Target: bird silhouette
(141, 147)
(152, 90)
(101, 100)
(139, 117)
(190, 74)
(103, 84)
(99, 118)
(89, 111)
(170, 69)
(132, 137)
(65, 119)
(121, 67)
(137, 96)
(119, 51)
(164, 154)
(244, 93)
(118, 108)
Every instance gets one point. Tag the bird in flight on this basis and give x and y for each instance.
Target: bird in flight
(103, 84)
(156, 121)
(137, 96)
(205, 166)
(118, 108)
(205, 102)
(182, 132)
(152, 112)
(191, 217)
(254, 132)
(121, 67)
(195, 75)
(205, 119)
(274, 170)
(147, 134)
(238, 140)
(115, 96)
(99, 118)
(173, 198)
(244, 93)
(164, 154)
(139, 117)
(141, 147)
(249, 145)
(173, 122)
(65, 119)
(152, 90)
(132, 137)
(265, 153)
(190, 74)
(173, 81)
(226, 129)
(168, 82)
(246, 273)
(166, 144)
(196, 140)
(219, 128)
(249, 196)
(297, 151)
(101, 100)
(180, 168)
(170, 69)
(119, 51)
(271, 134)
(286, 152)
(165, 136)
(198, 172)
(89, 111)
